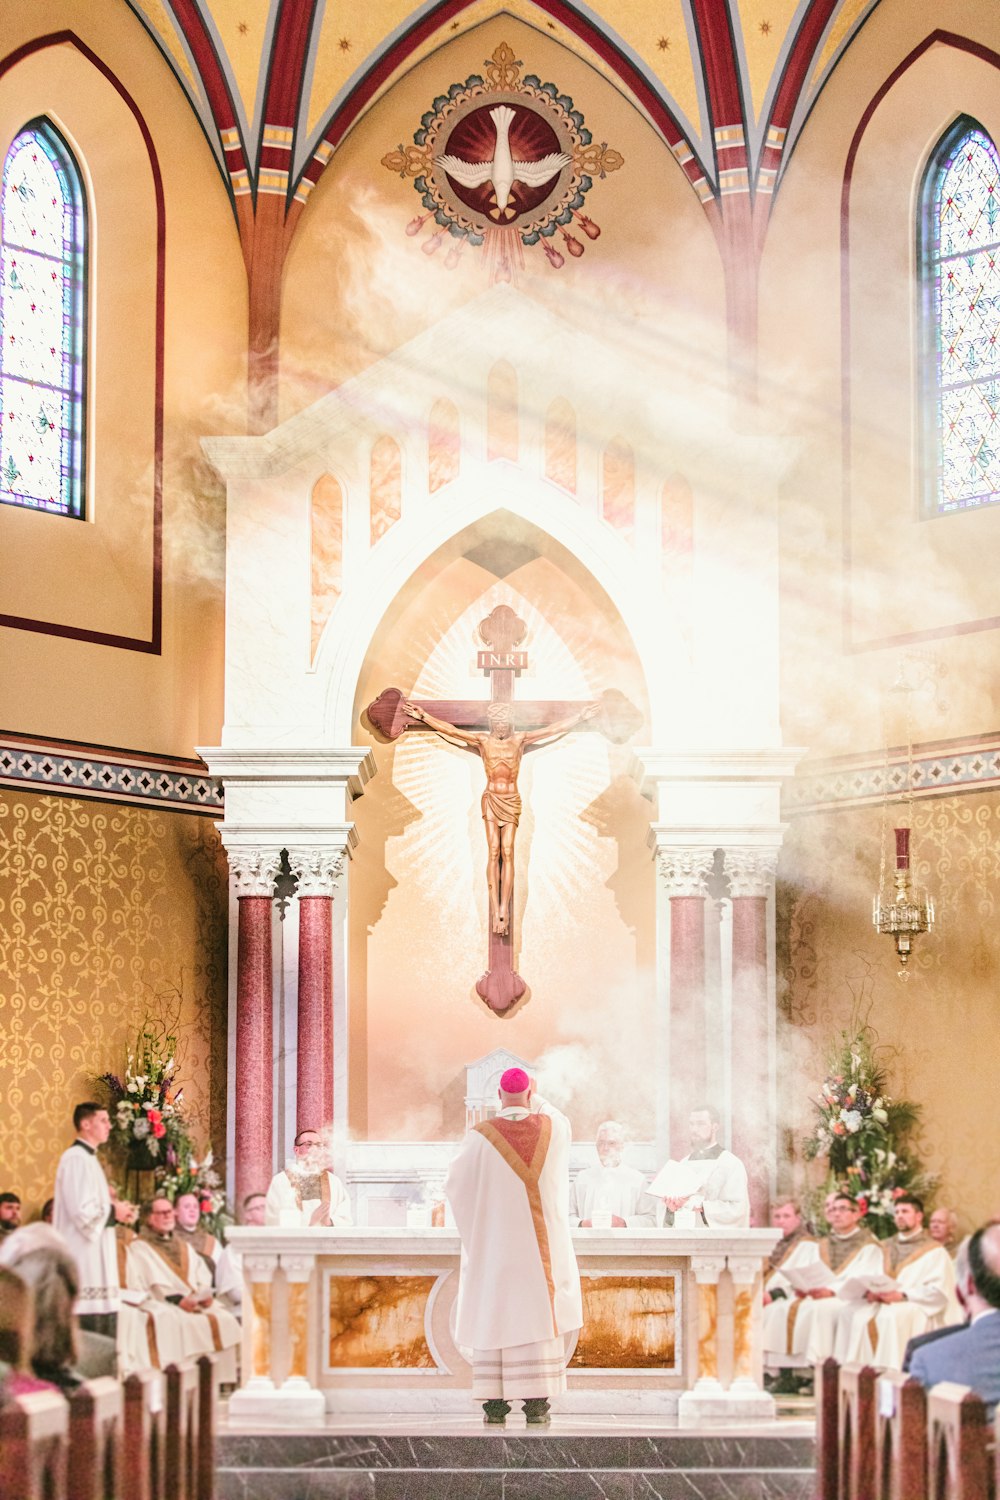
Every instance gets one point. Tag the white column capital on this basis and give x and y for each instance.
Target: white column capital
(751, 871)
(318, 870)
(259, 1268)
(685, 870)
(298, 1268)
(708, 1268)
(744, 1269)
(255, 868)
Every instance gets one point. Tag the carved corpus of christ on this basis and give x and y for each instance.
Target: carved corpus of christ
(501, 751)
(499, 732)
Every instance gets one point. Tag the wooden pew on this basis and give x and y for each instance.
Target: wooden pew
(856, 1433)
(900, 1437)
(97, 1442)
(181, 1446)
(208, 1392)
(34, 1439)
(958, 1441)
(145, 1434)
(827, 1423)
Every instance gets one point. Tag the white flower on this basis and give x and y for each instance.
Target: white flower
(132, 1088)
(141, 1128)
(880, 1115)
(852, 1119)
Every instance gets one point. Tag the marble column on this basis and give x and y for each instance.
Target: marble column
(684, 871)
(751, 877)
(254, 871)
(318, 872)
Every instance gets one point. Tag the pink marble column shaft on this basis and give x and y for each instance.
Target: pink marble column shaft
(752, 1096)
(314, 1078)
(687, 1015)
(254, 1048)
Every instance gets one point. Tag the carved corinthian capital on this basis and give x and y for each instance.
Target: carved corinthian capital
(751, 871)
(684, 871)
(254, 870)
(318, 871)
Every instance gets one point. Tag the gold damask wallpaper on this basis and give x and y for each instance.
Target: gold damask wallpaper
(107, 914)
(941, 1026)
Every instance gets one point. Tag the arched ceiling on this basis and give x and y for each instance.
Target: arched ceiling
(277, 84)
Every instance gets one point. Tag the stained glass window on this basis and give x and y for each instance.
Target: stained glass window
(42, 323)
(960, 262)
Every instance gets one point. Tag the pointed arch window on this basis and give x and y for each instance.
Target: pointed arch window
(43, 301)
(959, 260)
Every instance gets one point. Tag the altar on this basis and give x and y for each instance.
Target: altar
(361, 1320)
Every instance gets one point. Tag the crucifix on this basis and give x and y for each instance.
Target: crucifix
(500, 732)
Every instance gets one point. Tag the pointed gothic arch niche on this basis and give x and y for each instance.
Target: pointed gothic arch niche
(618, 486)
(326, 547)
(501, 412)
(386, 486)
(585, 922)
(444, 444)
(560, 444)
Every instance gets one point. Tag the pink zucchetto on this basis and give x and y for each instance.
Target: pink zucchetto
(515, 1081)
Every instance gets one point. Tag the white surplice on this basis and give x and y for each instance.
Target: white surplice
(519, 1284)
(180, 1334)
(285, 1205)
(612, 1190)
(813, 1322)
(83, 1215)
(877, 1333)
(775, 1316)
(723, 1201)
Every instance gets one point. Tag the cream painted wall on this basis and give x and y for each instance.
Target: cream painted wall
(96, 575)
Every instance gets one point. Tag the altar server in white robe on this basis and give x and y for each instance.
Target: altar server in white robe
(849, 1250)
(876, 1330)
(611, 1188)
(797, 1247)
(307, 1192)
(186, 1318)
(519, 1286)
(85, 1214)
(723, 1200)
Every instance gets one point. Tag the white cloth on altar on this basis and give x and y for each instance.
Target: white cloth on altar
(518, 1280)
(83, 1215)
(180, 1334)
(284, 1206)
(724, 1199)
(813, 1323)
(615, 1190)
(877, 1333)
(776, 1314)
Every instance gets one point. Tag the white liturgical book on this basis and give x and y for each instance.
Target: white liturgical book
(679, 1179)
(855, 1288)
(808, 1278)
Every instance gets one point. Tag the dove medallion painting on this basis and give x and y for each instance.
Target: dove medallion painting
(497, 658)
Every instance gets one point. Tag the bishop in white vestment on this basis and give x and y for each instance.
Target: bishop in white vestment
(519, 1286)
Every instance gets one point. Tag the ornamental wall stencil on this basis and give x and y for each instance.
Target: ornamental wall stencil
(503, 162)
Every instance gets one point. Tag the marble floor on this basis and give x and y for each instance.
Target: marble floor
(385, 1457)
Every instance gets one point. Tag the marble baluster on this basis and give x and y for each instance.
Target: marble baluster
(299, 1269)
(258, 1279)
(751, 877)
(684, 871)
(747, 1359)
(706, 1270)
(318, 872)
(254, 871)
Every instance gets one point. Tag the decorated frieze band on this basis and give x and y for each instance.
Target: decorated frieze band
(935, 771)
(104, 775)
(318, 872)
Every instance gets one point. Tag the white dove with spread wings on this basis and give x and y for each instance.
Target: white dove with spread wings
(503, 171)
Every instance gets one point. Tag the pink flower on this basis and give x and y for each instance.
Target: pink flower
(159, 1130)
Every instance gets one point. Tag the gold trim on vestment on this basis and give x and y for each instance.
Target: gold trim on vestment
(805, 1239)
(824, 1254)
(324, 1192)
(910, 1259)
(529, 1173)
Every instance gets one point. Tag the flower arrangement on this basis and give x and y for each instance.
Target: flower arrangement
(147, 1126)
(200, 1178)
(862, 1133)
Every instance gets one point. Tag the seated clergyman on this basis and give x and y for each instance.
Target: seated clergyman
(185, 1319)
(307, 1193)
(722, 1200)
(610, 1194)
(802, 1329)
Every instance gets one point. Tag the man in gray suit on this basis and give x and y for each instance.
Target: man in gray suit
(971, 1355)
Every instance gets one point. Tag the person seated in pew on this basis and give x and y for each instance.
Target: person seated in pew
(16, 1332)
(10, 1214)
(616, 1194)
(920, 1296)
(185, 1320)
(41, 1259)
(229, 1268)
(971, 1355)
(797, 1247)
(943, 1225)
(189, 1229)
(849, 1250)
(961, 1277)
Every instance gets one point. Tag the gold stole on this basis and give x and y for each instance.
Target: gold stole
(185, 1276)
(529, 1172)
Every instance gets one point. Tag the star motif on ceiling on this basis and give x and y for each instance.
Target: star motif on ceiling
(765, 28)
(242, 28)
(345, 44)
(664, 44)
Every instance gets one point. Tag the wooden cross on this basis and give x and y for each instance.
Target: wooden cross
(502, 662)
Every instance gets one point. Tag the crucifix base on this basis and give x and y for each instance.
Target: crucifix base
(501, 986)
